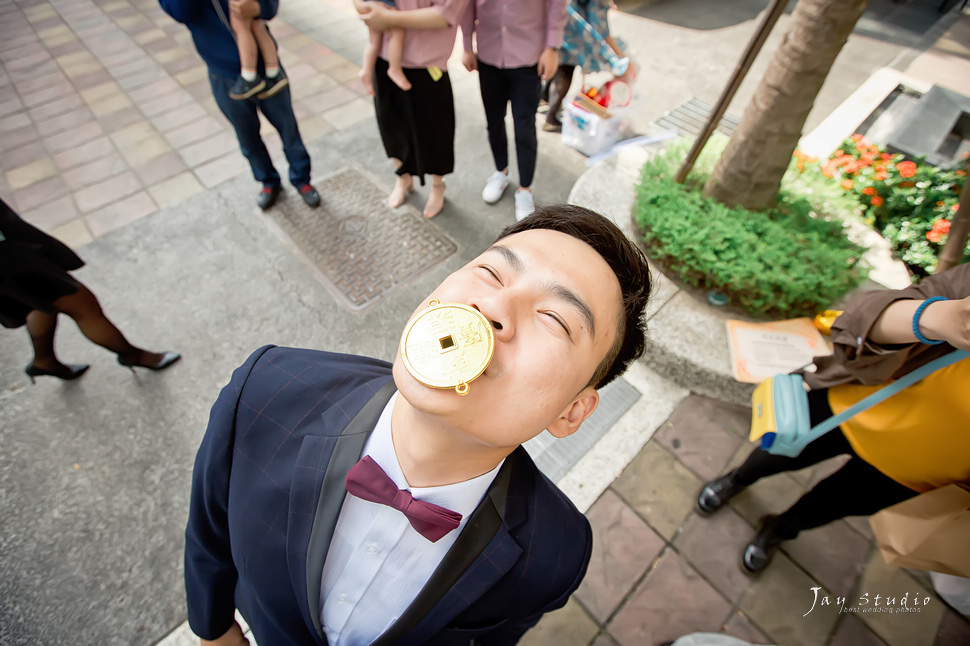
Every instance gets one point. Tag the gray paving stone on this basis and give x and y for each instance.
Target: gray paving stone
(916, 628)
(704, 434)
(853, 632)
(712, 545)
(623, 549)
(834, 555)
(778, 601)
(672, 600)
(741, 627)
(659, 488)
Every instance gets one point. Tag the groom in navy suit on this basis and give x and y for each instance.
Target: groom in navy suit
(272, 530)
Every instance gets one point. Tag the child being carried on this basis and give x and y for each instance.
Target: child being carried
(253, 39)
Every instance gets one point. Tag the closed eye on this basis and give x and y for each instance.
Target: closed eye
(492, 272)
(558, 319)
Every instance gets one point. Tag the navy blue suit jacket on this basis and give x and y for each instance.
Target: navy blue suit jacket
(268, 486)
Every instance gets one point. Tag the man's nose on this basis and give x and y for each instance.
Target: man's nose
(499, 317)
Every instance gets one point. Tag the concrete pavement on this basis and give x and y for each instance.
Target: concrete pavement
(111, 141)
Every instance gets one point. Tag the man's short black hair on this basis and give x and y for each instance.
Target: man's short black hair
(628, 264)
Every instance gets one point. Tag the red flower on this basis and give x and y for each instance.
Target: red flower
(879, 176)
(868, 191)
(847, 184)
(856, 137)
(885, 156)
(955, 207)
(961, 173)
(906, 168)
(876, 201)
(906, 184)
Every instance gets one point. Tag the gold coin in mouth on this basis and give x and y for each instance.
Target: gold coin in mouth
(447, 346)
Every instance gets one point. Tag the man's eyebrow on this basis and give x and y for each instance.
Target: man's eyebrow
(514, 260)
(561, 291)
(573, 299)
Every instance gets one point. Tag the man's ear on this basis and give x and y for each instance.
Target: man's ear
(576, 413)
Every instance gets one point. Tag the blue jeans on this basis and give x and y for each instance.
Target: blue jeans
(245, 120)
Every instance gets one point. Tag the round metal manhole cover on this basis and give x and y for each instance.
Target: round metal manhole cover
(353, 226)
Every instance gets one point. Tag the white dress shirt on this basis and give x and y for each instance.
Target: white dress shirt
(377, 563)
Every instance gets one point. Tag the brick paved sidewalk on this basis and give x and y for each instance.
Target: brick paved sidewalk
(106, 114)
(659, 570)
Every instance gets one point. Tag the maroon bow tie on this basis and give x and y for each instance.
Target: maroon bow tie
(367, 481)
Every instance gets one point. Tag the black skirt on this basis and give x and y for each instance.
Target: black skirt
(417, 126)
(33, 269)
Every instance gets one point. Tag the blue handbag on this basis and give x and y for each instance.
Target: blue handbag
(779, 408)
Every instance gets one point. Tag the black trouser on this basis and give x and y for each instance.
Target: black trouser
(521, 87)
(857, 489)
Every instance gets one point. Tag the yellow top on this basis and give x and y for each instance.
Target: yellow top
(919, 437)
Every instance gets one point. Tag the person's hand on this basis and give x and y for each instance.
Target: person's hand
(232, 637)
(949, 321)
(377, 16)
(548, 63)
(245, 8)
(470, 61)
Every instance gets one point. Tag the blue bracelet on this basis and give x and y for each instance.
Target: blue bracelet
(919, 313)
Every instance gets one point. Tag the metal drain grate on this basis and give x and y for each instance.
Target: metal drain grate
(689, 118)
(555, 457)
(363, 248)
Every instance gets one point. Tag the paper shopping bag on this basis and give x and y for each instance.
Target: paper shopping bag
(928, 532)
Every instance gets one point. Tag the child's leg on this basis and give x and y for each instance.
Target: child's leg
(395, 51)
(246, 43)
(371, 51)
(266, 46)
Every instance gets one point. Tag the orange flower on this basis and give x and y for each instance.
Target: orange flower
(906, 168)
(879, 176)
(940, 229)
(838, 153)
(906, 184)
(856, 137)
(955, 207)
(847, 184)
(885, 156)
(876, 201)
(961, 173)
(868, 191)
(939, 203)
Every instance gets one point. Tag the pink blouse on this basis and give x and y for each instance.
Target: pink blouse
(430, 47)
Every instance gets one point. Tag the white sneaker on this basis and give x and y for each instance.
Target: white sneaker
(524, 205)
(495, 186)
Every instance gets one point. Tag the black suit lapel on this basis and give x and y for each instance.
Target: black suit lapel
(346, 453)
(484, 524)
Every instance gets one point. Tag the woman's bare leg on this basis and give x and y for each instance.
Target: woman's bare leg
(402, 186)
(436, 197)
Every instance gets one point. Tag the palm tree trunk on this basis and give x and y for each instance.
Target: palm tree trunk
(956, 239)
(750, 170)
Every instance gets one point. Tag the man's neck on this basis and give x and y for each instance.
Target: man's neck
(433, 453)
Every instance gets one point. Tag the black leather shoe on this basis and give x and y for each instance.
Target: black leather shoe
(309, 195)
(65, 372)
(759, 552)
(267, 196)
(168, 358)
(716, 493)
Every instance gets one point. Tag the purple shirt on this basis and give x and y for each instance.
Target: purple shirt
(513, 33)
(429, 47)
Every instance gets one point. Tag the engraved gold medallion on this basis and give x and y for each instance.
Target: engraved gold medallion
(447, 346)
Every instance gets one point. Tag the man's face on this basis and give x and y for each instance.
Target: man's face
(554, 305)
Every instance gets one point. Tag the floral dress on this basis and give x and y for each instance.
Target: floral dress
(584, 41)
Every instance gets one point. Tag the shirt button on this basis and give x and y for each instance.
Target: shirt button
(371, 549)
(342, 598)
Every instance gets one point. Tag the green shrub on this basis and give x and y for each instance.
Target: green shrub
(783, 263)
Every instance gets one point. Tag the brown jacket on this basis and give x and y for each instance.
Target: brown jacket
(856, 359)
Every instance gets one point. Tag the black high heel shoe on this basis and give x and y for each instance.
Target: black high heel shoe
(66, 372)
(168, 358)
